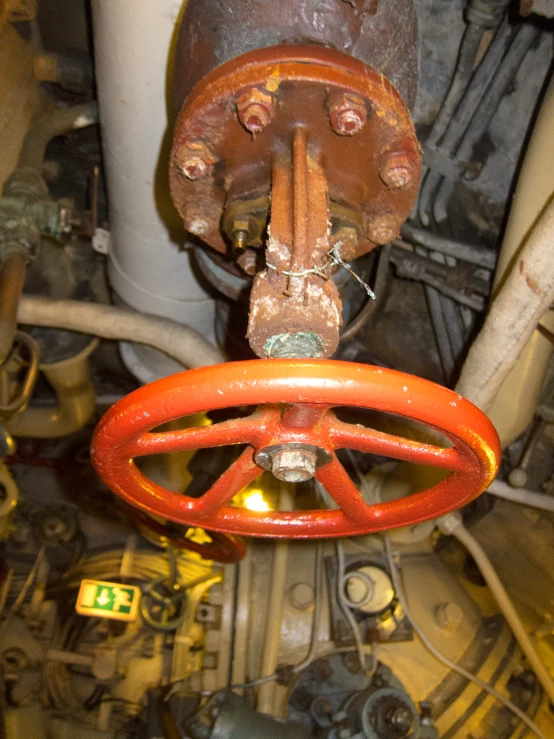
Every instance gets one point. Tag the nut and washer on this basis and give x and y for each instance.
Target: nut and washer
(294, 462)
(347, 113)
(255, 109)
(195, 159)
(398, 170)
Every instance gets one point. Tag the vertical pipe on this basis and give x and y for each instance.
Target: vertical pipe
(12, 277)
(272, 637)
(147, 266)
(513, 407)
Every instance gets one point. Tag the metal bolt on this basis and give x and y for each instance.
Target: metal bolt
(301, 596)
(255, 109)
(248, 261)
(194, 159)
(383, 229)
(240, 239)
(401, 719)
(448, 616)
(398, 170)
(294, 465)
(347, 114)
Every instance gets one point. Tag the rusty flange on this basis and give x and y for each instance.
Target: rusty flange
(243, 115)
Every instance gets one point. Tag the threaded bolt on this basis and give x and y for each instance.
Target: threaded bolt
(255, 109)
(194, 159)
(294, 465)
(398, 170)
(347, 114)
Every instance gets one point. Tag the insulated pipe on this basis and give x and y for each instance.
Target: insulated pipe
(525, 296)
(180, 342)
(513, 404)
(147, 266)
(500, 489)
(274, 618)
(452, 525)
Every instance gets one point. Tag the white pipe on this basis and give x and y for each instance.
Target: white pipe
(513, 407)
(274, 616)
(452, 525)
(541, 501)
(109, 322)
(147, 267)
(525, 296)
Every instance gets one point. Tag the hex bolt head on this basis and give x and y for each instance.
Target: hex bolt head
(195, 159)
(294, 465)
(398, 170)
(384, 228)
(347, 113)
(255, 109)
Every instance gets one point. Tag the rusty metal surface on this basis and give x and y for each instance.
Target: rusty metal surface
(294, 293)
(380, 33)
(302, 81)
(128, 430)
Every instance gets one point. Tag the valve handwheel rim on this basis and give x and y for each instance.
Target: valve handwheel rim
(294, 399)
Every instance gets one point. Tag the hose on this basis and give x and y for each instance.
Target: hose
(519, 495)
(121, 324)
(453, 526)
(399, 590)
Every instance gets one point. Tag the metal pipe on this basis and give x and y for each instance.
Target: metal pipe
(504, 77)
(462, 74)
(53, 123)
(76, 401)
(464, 252)
(452, 525)
(12, 278)
(458, 125)
(519, 495)
(272, 637)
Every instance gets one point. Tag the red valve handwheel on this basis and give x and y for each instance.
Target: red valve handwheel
(222, 547)
(294, 400)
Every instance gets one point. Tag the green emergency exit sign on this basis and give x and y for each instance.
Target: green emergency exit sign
(108, 600)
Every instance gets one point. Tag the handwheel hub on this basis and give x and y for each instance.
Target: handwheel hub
(293, 462)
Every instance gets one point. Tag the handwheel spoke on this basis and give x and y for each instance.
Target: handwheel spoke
(236, 431)
(348, 436)
(340, 487)
(240, 474)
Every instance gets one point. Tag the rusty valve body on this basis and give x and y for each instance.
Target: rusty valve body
(289, 148)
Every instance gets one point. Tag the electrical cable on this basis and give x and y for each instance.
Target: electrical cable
(399, 590)
(369, 669)
(318, 598)
(442, 658)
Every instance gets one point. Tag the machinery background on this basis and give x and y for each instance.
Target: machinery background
(418, 180)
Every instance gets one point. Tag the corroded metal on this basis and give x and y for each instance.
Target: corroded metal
(379, 33)
(294, 292)
(303, 84)
(295, 400)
